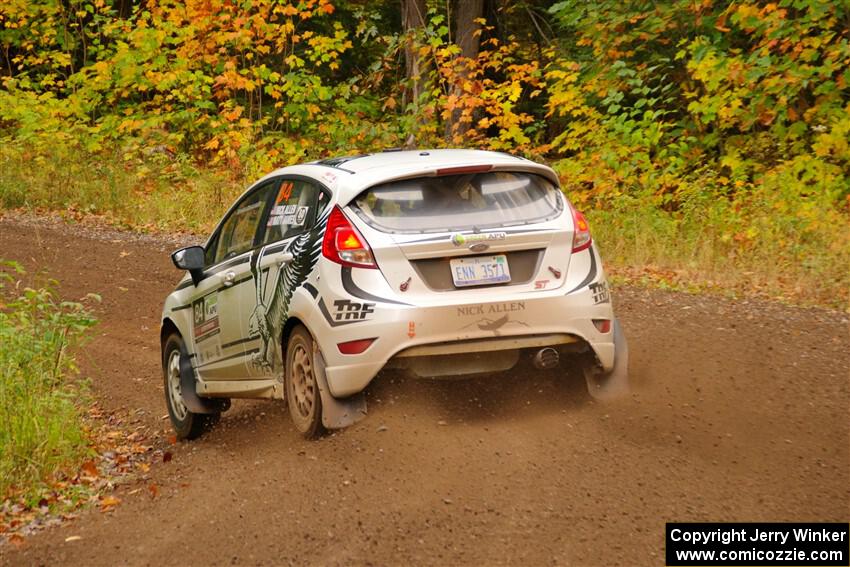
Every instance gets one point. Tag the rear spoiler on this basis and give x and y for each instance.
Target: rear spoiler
(350, 192)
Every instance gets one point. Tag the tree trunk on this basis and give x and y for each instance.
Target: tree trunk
(413, 22)
(466, 27)
(468, 39)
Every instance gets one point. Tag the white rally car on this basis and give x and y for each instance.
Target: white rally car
(440, 262)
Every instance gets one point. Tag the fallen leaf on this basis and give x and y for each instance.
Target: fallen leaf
(16, 539)
(109, 502)
(90, 469)
(166, 457)
(154, 490)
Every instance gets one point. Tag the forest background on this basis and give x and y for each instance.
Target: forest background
(708, 142)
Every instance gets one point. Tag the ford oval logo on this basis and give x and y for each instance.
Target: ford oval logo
(479, 247)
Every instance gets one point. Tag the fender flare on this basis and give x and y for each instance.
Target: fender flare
(614, 383)
(336, 412)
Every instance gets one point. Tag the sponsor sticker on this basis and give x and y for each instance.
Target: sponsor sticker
(345, 310)
(494, 317)
(466, 239)
(301, 215)
(205, 311)
(492, 309)
(600, 292)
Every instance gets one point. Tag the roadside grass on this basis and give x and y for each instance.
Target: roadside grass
(157, 193)
(776, 243)
(42, 430)
(651, 247)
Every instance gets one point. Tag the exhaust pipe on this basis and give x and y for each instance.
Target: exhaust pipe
(546, 358)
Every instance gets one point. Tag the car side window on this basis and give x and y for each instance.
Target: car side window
(293, 211)
(209, 251)
(324, 199)
(239, 231)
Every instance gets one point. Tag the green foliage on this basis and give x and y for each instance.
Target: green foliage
(711, 136)
(722, 127)
(477, 101)
(40, 427)
(245, 86)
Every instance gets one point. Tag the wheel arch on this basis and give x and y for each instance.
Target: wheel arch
(167, 329)
(291, 322)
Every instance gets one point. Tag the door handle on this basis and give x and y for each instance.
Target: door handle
(228, 279)
(284, 258)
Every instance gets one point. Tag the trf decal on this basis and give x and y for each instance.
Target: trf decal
(351, 310)
(600, 292)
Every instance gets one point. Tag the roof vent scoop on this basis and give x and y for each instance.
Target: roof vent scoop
(337, 162)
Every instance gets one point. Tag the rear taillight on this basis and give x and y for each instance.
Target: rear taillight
(355, 347)
(581, 234)
(344, 245)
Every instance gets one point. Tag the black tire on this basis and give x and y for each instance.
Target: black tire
(186, 424)
(302, 389)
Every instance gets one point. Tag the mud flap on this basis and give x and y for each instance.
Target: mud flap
(193, 401)
(336, 413)
(614, 383)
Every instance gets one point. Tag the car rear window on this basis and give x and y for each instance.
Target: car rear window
(459, 202)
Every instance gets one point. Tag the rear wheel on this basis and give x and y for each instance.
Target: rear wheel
(302, 388)
(187, 425)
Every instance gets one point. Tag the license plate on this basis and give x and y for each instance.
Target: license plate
(481, 270)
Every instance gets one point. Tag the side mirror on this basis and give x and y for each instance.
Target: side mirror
(191, 259)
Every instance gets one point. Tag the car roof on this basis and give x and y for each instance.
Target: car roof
(348, 176)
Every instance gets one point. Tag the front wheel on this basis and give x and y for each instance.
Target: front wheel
(187, 424)
(302, 388)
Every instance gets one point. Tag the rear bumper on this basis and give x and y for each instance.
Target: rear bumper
(515, 321)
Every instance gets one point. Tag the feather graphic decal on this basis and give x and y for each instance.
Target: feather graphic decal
(270, 316)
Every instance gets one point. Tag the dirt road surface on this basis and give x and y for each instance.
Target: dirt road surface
(739, 413)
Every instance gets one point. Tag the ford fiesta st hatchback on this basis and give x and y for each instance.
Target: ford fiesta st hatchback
(439, 262)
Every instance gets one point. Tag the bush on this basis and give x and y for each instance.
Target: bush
(709, 137)
(41, 432)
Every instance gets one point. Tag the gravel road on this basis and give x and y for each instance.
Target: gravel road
(739, 413)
